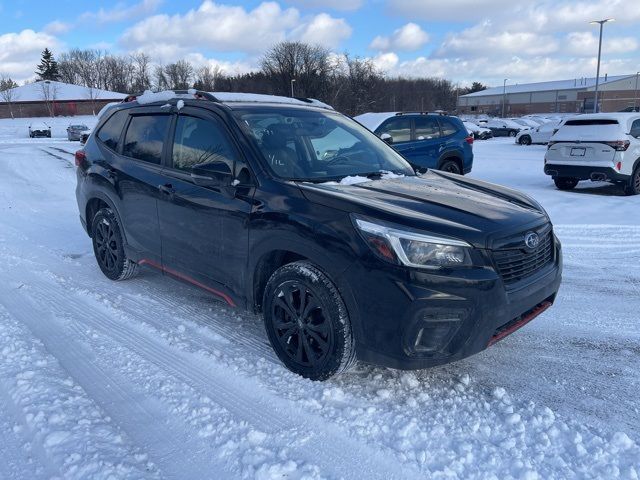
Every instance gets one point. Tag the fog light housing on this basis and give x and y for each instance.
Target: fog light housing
(431, 332)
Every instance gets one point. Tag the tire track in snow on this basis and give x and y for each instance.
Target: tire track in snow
(145, 423)
(341, 455)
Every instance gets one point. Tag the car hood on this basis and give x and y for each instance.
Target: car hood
(436, 202)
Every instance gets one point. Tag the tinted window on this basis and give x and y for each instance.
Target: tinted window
(635, 129)
(198, 142)
(398, 128)
(426, 128)
(595, 121)
(145, 136)
(110, 132)
(448, 127)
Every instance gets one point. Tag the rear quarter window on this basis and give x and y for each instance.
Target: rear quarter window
(448, 127)
(109, 133)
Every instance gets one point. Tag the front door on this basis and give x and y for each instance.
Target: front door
(204, 229)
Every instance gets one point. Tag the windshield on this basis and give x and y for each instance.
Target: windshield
(312, 145)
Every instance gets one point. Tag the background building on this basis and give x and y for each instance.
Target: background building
(560, 96)
(47, 98)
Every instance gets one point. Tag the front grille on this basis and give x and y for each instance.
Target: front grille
(515, 264)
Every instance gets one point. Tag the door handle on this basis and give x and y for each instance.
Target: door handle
(167, 189)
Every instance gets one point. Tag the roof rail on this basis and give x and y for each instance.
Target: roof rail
(435, 112)
(198, 94)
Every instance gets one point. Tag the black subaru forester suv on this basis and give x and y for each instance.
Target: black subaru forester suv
(285, 207)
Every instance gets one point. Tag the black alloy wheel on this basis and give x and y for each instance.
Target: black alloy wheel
(450, 166)
(108, 247)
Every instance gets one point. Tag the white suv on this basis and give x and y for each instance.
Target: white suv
(538, 135)
(598, 147)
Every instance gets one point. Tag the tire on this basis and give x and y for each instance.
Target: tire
(565, 183)
(307, 322)
(525, 140)
(633, 187)
(512, 133)
(108, 247)
(450, 166)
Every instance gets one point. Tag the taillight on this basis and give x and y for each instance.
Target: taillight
(619, 166)
(619, 145)
(81, 158)
(469, 139)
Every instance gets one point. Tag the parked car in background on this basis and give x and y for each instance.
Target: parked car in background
(538, 135)
(525, 122)
(84, 136)
(479, 133)
(501, 127)
(285, 207)
(597, 147)
(39, 129)
(74, 132)
(425, 140)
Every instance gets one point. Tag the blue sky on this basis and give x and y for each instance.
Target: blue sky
(461, 40)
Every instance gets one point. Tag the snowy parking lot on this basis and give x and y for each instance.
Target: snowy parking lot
(150, 378)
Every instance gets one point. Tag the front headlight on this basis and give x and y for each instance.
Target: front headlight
(413, 249)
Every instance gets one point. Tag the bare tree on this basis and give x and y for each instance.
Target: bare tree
(178, 75)
(207, 77)
(8, 92)
(141, 80)
(49, 94)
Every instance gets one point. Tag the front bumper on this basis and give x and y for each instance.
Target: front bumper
(585, 172)
(409, 319)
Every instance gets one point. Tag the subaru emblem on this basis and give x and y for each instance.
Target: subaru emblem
(531, 240)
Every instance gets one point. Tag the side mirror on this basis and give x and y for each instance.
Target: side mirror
(386, 138)
(214, 174)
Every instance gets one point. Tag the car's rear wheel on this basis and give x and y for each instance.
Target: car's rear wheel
(525, 140)
(307, 322)
(565, 183)
(450, 166)
(108, 246)
(633, 187)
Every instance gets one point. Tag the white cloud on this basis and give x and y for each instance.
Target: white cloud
(20, 52)
(586, 44)
(230, 68)
(461, 11)
(57, 27)
(225, 28)
(324, 30)
(344, 5)
(407, 38)
(121, 12)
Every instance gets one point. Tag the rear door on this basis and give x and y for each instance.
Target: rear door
(204, 229)
(428, 142)
(136, 173)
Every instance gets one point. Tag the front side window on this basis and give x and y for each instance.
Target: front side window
(313, 145)
(145, 137)
(109, 133)
(199, 142)
(426, 128)
(399, 129)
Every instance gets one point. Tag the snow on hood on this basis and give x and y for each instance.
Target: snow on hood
(355, 179)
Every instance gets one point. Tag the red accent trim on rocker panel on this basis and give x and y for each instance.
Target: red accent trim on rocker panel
(151, 263)
(520, 323)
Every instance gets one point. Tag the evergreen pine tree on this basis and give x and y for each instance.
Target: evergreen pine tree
(48, 67)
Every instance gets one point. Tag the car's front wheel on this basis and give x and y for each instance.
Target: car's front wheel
(108, 246)
(512, 133)
(565, 183)
(525, 140)
(307, 322)
(633, 187)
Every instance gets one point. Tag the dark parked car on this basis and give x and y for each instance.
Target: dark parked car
(503, 128)
(74, 132)
(39, 129)
(425, 140)
(288, 208)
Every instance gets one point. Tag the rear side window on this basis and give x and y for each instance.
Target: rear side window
(426, 128)
(399, 129)
(199, 142)
(448, 127)
(145, 137)
(596, 121)
(110, 132)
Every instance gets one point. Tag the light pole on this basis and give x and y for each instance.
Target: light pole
(504, 95)
(601, 23)
(635, 93)
(292, 82)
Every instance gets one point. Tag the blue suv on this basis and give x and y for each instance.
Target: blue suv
(426, 140)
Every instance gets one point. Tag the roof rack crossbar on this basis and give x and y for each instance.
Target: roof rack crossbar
(200, 94)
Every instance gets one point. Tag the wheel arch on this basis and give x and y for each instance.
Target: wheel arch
(97, 200)
(452, 155)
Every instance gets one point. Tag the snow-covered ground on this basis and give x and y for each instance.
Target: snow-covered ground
(150, 378)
